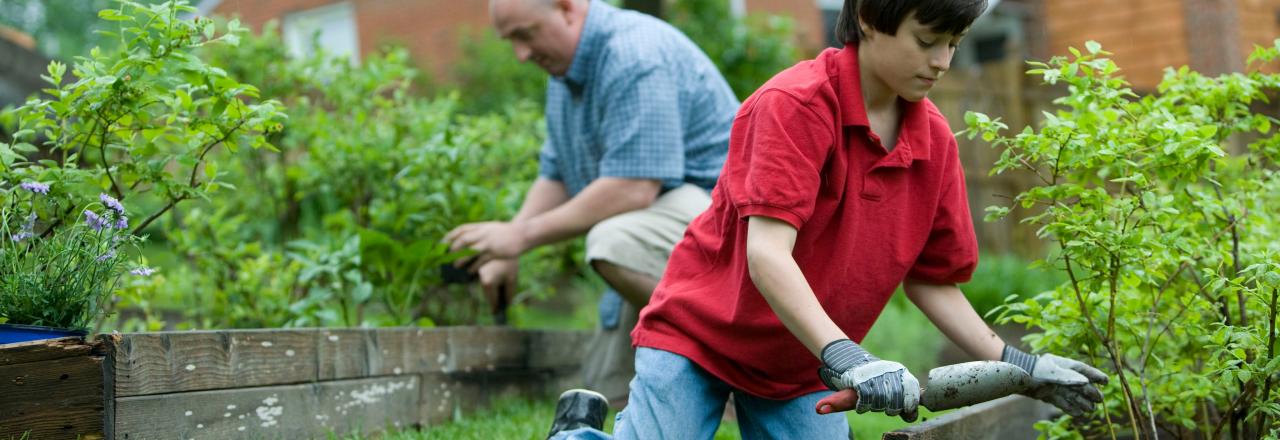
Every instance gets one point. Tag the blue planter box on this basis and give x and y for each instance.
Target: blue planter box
(12, 333)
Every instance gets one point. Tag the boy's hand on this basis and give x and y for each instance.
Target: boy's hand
(882, 386)
(1065, 383)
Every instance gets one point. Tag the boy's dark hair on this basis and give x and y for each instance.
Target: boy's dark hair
(884, 16)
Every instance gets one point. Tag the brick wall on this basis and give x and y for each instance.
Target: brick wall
(807, 16)
(1259, 24)
(430, 29)
(1145, 35)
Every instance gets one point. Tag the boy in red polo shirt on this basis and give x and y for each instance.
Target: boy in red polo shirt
(842, 182)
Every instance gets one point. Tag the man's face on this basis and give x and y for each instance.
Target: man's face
(911, 61)
(540, 31)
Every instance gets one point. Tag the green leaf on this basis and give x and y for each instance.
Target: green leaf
(1093, 47)
(113, 15)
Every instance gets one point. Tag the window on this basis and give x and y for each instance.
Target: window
(830, 12)
(331, 28)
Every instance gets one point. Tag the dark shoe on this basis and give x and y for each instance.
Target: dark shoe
(579, 408)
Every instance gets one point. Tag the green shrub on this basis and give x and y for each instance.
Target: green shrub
(1171, 245)
(1007, 278)
(747, 50)
(349, 213)
(142, 122)
(489, 78)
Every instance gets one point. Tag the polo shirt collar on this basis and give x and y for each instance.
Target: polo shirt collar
(589, 43)
(914, 144)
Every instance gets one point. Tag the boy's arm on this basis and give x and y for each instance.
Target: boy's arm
(1068, 384)
(950, 311)
(846, 367)
(779, 279)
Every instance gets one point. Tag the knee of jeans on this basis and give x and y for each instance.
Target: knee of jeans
(609, 234)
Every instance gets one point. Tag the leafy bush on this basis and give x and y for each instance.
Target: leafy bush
(1171, 245)
(344, 222)
(137, 123)
(489, 78)
(1007, 278)
(748, 51)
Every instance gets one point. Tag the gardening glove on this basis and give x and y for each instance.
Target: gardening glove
(1065, 383)
(882, 386)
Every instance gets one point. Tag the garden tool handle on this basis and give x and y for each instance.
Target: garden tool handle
(950, 386)
(500, 306)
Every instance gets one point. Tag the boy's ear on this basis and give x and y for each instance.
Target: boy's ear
(864, 29)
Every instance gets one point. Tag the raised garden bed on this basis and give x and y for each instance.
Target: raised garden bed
(272, 383)
(1012, 417)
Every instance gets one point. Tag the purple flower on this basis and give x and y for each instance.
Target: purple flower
(122, 222)
(22, 236)
(112, 203)
(143, 271)
(104, 257)
(35, 187)
(94, 220)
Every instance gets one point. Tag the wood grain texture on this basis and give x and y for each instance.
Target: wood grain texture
(1007, 417)
(277, 412)
(43, 350)
(53, 399)
(168, 362)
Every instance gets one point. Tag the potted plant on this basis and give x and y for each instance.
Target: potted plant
(57, 280)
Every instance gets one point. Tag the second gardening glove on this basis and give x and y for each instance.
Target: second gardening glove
(1065, 383)
(882, 386)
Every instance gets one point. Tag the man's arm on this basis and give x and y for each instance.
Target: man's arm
(603, 198)
(543, 196)
(951, 312)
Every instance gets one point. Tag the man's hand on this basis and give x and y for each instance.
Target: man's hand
(1065, 383)
(490, 240)
(882, 386)
(497, 277)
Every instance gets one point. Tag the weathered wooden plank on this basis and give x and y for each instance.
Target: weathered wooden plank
(43, 350)
(486, 349)
(408, 350)
(1008, 417)
(557, 349)
(447, 394)
(168, 362)
(276, 412)
(53, 399)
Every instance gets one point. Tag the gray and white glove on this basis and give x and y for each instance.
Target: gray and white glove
(882, 386)
(1067, 384)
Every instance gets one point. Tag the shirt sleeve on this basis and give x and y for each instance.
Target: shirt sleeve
(641, 129)
(547, 162)
(951, 253)
(777, 171)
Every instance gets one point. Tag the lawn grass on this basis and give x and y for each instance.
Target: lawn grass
(520, 419)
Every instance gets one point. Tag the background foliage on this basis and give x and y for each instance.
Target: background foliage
(1164, 209)
(137, 123)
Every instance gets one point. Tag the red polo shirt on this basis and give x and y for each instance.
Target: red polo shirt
(802, 151)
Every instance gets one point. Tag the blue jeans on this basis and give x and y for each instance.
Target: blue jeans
(674, 398)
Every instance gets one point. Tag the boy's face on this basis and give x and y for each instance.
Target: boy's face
(542, 32)
(910, 62)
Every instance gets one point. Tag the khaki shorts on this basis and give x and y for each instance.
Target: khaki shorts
(641, 241)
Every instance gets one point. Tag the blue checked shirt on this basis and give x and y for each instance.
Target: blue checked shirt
(640, 100)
